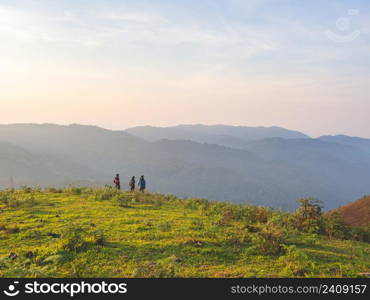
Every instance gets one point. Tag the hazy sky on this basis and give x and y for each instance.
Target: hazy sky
(303, 65)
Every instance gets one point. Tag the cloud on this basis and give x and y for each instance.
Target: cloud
(126, 28)
(134, 17)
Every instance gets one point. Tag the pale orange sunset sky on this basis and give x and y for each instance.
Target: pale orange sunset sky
(119, 64)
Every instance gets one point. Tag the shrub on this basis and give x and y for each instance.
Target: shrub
(104, 194)
(76, 238)
(334, 227)
(263, 214)
(26, 189)
(360, 233)
(215, 209)
(308, 215)
(14, 199)
(238, 238)
(4, 196)
(75, 190)
(156, 199)
(310, 239)
(195, 203)
(10, 198)
(270, 240)
(123, 200)
(288, 221)
(230, 214)
(294, 263)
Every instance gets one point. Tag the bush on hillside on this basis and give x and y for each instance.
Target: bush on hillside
(74, 190)
(104, 194)
(14, 199)
(26, 189)
(360, 233)
(270, 240)
(334, 227)
(238, 238)
(123, 200)
(294, 263)
(195, 203)
(308, 216)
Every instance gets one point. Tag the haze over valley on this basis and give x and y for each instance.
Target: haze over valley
(269, 166)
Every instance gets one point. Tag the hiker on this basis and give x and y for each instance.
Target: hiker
(117, 182)
(142, 184)
(132, 183)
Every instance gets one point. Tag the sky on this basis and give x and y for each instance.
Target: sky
(302, 65)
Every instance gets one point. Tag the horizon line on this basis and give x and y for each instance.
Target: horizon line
(177, 125)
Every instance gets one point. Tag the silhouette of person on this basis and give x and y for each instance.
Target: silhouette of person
(142, 184)
(132, 183)
(117, 182)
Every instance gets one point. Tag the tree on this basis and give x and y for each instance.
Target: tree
(309, 214)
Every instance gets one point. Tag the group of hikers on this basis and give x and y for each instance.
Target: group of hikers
(132, 183)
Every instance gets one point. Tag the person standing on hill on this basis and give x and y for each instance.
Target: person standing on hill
(142, 184)
(132, 183)
(117, 182)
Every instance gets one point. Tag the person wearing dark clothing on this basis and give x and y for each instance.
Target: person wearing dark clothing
(142, 184)
(132, 183)
(117, 182)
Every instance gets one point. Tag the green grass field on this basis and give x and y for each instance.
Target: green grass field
(101, 233)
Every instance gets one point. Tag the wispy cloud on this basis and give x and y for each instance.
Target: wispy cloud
(136, 17)
(132, 29)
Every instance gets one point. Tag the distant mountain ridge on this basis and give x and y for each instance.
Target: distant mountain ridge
(271, 171)
(225, 135)
(357, 142)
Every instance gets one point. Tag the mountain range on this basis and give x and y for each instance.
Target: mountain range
(229, 136)
(259, 165)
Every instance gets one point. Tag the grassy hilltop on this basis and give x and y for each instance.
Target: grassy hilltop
(78, 232)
